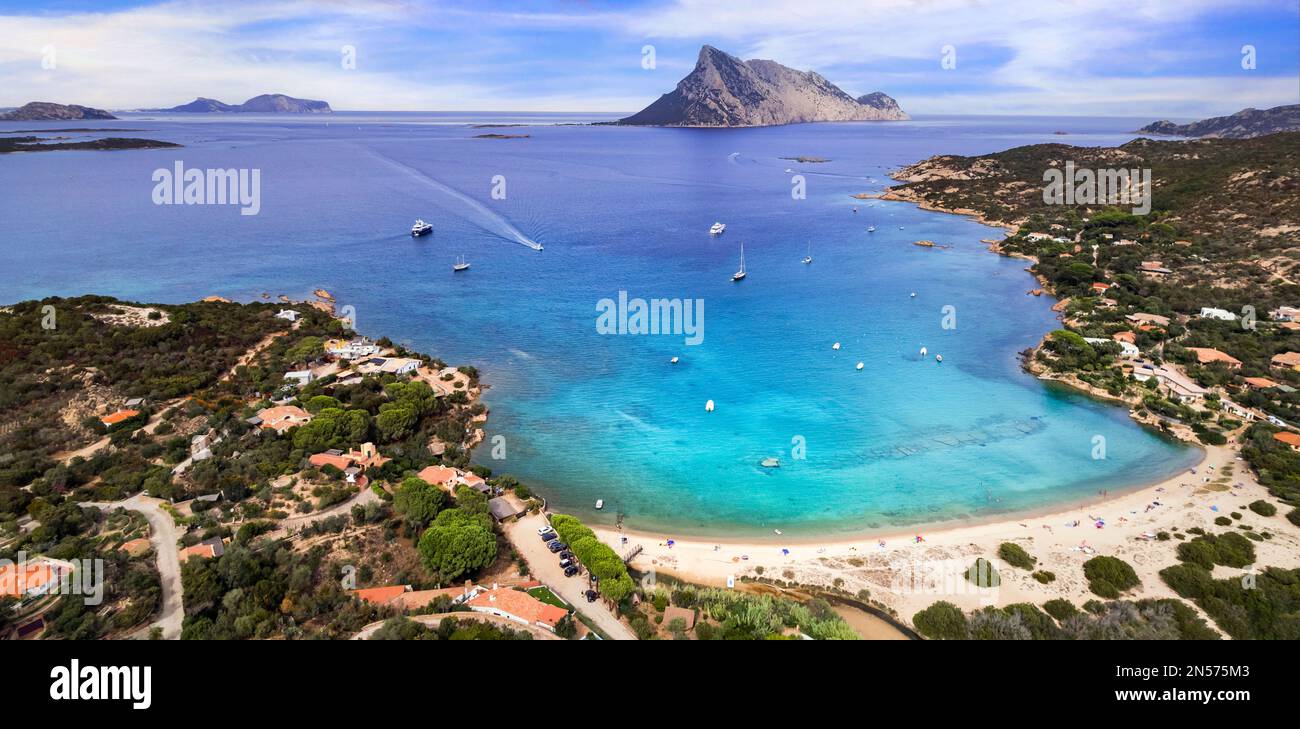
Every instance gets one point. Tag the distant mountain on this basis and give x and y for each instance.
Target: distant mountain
(1244, 124)
(724, 91)
(264, 104)
(44, 110)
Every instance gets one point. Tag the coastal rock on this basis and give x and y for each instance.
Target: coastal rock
(46, 111)
(264, 104)
(724, 91)
(1245, 124)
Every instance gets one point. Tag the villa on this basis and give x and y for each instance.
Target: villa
(282, 417)
(1127, 349)
(207, 549)
(1289, 439)
(26, 579)
(353, 463)
(114, 418)
(1143, 318)
(1207, 355)
(438, 475)
(389, 365)
(1260, 383)
(519, 607)
(1286, 359)
(354, 349)
(1209, 312)
(1285, 313)
(1155, 268)
(1125, 336)
(1178, 385)
(300, 377)
(287, 315)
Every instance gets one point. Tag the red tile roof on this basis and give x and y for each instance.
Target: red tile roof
(381, 595)
(1290, 439)
(521, 605)
(119, 416)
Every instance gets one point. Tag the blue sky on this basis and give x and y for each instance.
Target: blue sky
(1139, 58)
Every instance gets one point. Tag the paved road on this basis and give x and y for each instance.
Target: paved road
(164, 535)
(546, 567)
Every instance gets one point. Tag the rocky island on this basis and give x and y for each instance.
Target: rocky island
(48, 111)
(724, 91)
(264, 104)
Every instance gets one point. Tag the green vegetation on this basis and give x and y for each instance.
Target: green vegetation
(1059, 619)
(459, 541)
(599, 558)
(403, 628)
(1109, 576)
(1263, 606)
(1016, 556)
(1263, 508)
(735, 615)
(1229, 549)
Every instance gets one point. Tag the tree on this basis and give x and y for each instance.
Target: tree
(395, 422)
(942, 621)
(418, 501)
(457, 543)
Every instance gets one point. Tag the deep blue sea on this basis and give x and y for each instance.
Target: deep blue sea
(583, 415)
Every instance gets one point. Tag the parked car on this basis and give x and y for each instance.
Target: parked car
(556, 546)
(591, 595)
(570, 571)
(566, 554)
(548, 535)
(545, 529)
(566, 562)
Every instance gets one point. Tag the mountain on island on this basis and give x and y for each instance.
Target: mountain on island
(264, 104)
(1245, 124)
(47, 111)
(724, 91)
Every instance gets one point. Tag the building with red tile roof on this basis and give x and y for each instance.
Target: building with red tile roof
(117, 417)
(1207, 355)
(207, 549)
(519, 607)
(283, 417)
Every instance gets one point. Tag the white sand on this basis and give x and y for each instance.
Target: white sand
(907, 575)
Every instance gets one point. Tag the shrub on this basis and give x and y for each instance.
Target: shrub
(1060, 608)
(1109, 576)
(1293, 516)
(941, 621)
(1044, 576)
(1016, 556)
(1263, 508)
(1222, 520)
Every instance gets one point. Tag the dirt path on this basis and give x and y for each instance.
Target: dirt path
(163, 535)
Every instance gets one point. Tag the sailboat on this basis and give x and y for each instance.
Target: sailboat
(738, 275)
(808, 258)
(461, 264)
(871, 228)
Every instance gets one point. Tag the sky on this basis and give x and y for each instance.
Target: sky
(1177, 59)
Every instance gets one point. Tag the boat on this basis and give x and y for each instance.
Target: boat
(923, 351)
(855, 209)
(913, 294)
(938, 358)
(738, 275)
(871, 228)
(777, 532)
(673, 360)
(808, 258)
(770, 462)
(420, 228)
(600, 504)
(835, 345)
(717, 228)
(859, 366)
(461, 264)
(708, 406)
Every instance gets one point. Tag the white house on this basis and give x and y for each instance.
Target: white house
(300, 377)
(1178, 385)
(359, 347)
(1128, 350)
(287, 315)
(1285, 313)
(1209, 312)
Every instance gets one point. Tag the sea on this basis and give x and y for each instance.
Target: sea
(578, 410)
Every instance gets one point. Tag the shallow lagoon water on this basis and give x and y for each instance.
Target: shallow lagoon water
(584, 416)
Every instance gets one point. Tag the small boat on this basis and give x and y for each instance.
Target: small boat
(938, 358)
(871, 228)
(855, 209)
(673, 360)
(770, 462)
(835, 345)
(708, 406)
(859, 366)
(420, 228)
(600, 504)
(808, 258)
(913, 294)
(923, 351)
(460, 265)
(777, 532)
(717, 229)
(738, 275)
(900, 227)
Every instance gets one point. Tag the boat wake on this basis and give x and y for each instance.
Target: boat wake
(477, 212)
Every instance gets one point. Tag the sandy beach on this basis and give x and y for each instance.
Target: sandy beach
(907, 574)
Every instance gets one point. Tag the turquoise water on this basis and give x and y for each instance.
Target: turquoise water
(583, 415)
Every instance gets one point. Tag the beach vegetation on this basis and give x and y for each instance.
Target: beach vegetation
(1258, 606)
(1044, 576)
(1229, 549)
(942, 621)
(1060, 608)
(1109, 576)
(1263, 508)
(1016, 556)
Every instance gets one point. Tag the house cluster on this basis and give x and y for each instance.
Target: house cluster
(353, 463)
(351, 349)
(504, 602)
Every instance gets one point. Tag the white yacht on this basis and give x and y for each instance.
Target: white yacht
(738, 275)
(871, 228)
(420, 228)
(808, 258)
(461, 264)
(717, 228)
